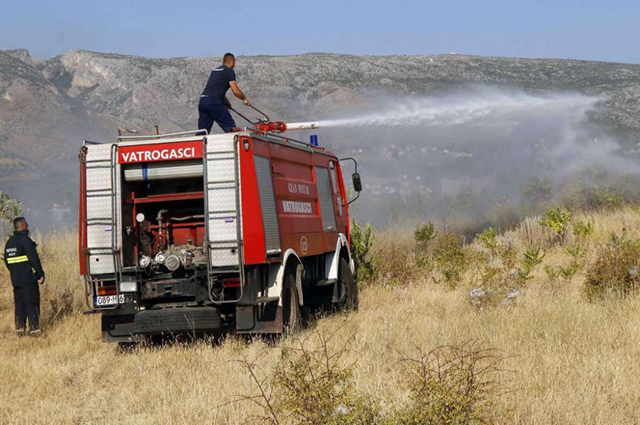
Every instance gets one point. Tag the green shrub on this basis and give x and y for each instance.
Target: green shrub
(488, 238)
(558, 219)
(453, 386)
(362, 251)
(609, 198)
(559, 272)
(583, 229)
(615, 271)
(10, 208)
(424, 234)
(533, 256)
(450, 258)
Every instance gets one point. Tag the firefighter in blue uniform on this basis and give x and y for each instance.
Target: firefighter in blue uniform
(21, 258)
(214, 106)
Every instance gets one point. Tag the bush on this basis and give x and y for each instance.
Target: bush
(362, 251)
(311, 386)
(558, 219)
(10, 208)
(424, 234)
(395, 266)
(488, 238)
(453, 386)
(615, 271)
(450, 258)
(533, 256)
(538, 191)
(583, 229)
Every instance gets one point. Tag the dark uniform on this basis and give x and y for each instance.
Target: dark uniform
(212, 107)
(22, 260)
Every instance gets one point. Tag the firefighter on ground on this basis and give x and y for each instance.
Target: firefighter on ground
(214, 106)
(21, 258)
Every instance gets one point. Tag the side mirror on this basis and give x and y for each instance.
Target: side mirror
(355, 177)
(357, 183)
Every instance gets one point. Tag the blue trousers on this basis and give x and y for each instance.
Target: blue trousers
(213, 110)
(27, 305)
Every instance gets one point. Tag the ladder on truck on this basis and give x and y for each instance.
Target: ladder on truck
(103, 192)
(222, 210)
(255, 310)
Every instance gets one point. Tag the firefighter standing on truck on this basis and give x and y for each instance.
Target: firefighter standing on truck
(214, 106)
(21, 258)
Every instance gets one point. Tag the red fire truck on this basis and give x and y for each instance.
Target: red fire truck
(192, 233)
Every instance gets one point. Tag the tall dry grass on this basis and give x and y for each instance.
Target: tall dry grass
(568, 360)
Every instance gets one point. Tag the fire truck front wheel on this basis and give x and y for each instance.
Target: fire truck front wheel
(349, 299)
(291, 318)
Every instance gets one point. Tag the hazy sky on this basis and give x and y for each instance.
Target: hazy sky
(580, 29)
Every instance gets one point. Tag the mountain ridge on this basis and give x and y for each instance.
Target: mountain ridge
(47, 107)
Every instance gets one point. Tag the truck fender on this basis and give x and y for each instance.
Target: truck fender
(276, 276)
(332, 260)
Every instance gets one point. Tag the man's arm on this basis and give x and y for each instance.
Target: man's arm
(34, 260)
(238, 93)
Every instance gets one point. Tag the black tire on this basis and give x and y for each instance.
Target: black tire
(349, 299)
(291, 317)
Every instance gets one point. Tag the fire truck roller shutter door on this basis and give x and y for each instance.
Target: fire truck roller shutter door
(325, 197)
(267, 203)
(163, 170)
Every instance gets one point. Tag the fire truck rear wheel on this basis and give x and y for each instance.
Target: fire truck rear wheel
(350, 299)
(291, 318)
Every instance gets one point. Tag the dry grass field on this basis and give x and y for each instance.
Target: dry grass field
(566, 360)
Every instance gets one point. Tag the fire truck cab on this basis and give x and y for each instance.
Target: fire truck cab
(188, 233)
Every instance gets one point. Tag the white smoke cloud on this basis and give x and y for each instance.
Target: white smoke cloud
(496, 139)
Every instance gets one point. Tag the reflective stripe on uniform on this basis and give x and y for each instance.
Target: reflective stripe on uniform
(20, 259)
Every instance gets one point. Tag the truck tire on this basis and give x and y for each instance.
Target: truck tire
(291, 318)
(349, 301)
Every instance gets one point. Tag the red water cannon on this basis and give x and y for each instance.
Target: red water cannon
(271, 127)
(263, 124)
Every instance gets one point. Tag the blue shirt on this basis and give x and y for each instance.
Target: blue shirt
(218, 83)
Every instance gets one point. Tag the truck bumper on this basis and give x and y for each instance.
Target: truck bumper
(165, 321)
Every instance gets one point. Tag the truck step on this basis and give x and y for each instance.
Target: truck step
(267, 300)
(326, 282)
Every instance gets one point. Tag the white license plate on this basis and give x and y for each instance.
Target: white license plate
(112, 300)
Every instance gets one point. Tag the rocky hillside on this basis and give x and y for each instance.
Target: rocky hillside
(47, 108)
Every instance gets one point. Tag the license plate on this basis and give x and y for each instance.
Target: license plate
(112, 300)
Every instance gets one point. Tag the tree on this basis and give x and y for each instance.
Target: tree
(10, 208)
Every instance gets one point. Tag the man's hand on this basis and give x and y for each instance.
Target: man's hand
(246, 102)
(41, 280)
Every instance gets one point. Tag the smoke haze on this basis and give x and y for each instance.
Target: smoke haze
(465, 151)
